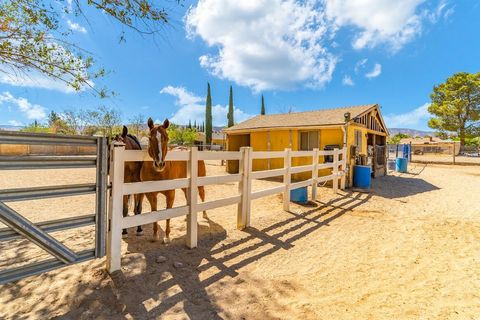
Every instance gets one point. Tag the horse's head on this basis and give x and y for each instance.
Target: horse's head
(122, 137)
(158, 144)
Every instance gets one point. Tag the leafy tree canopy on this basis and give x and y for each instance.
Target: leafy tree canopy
(456, 105)
(396, 138)
(182, 136)
(34, 37)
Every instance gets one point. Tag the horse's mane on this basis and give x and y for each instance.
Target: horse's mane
(131, 136)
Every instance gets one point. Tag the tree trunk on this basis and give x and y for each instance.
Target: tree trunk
(462, 138)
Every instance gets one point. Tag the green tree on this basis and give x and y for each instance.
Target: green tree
(57, 124)
(34, 37)
(105, 121)
(230, 116)
(456, 105)
(396, 138)
(35, 127)
(208, 117)
(262, 111)
(183, 136)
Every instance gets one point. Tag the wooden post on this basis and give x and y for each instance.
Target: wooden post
(410, 152)
(453, 152)
(344, 163)
(244, 188)
(314, 174)
(249, 186)
(287, 164)
(115, 212)
(335, 170)
(192, 174)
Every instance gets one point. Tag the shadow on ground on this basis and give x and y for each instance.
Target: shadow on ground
(405, 185)
(188, 281)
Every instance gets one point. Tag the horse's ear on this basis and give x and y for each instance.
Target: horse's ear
(166, 123)
(124, 131)
(150, 123)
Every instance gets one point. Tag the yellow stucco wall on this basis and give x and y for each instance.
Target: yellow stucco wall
(279, 140)
(234, 143)
(259, 142)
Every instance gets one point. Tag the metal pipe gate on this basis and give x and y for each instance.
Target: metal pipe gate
(38, 233)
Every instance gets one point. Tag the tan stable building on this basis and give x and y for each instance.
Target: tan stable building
(360, 129)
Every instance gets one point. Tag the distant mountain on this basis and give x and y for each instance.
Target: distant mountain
(410, 132)
(8, 127)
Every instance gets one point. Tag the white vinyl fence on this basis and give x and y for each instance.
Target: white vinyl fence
(243, 200)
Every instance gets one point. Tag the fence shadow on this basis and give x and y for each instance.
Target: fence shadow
(151, 289)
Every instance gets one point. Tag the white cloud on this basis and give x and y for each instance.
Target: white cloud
(31, 111)
(76, 27)
(192, 108)
(379, 21)
(442, 11)
(360, 65)
(35, 80)
(183, 96)
(274, 44)
(415, 119)
(15, 123)
(347, 81)
(377, 70)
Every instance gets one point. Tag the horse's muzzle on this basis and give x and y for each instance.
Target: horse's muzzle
(158, 166)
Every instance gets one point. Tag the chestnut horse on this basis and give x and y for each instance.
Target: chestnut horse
(132, 174)
(159, 169)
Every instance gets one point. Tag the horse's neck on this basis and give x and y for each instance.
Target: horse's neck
(133, 143)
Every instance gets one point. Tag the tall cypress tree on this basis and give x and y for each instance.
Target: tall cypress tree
(195, 124)
(208, 117)
(189, 124)
(262, 111)
(230, 109)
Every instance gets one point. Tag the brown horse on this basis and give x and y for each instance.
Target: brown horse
(159, 169)
(132, 174)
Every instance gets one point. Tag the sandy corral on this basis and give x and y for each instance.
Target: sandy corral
(409, 249)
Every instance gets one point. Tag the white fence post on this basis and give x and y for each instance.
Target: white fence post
(287, 164)
(314, 174)
(335, 171)
(192, 174)
(115, 212)
(249, 161)
(244, 188)
(344, 166)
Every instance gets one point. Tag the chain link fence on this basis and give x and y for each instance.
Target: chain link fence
(442, 153)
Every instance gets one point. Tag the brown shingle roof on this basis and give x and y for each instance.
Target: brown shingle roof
(323, 117)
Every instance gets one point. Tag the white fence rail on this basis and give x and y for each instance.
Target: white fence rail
(243, 200)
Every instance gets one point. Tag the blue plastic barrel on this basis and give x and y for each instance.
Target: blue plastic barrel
(401, 165)
(299, 195)
(362, 176)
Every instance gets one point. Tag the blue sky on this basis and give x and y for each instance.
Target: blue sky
(301, 55)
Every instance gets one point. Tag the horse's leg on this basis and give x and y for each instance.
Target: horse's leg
(125, 213)
(152, 199)
(138, 210)
(170, 198)
(201, 192)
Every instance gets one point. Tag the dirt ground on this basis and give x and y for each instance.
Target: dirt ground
(409, 249)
